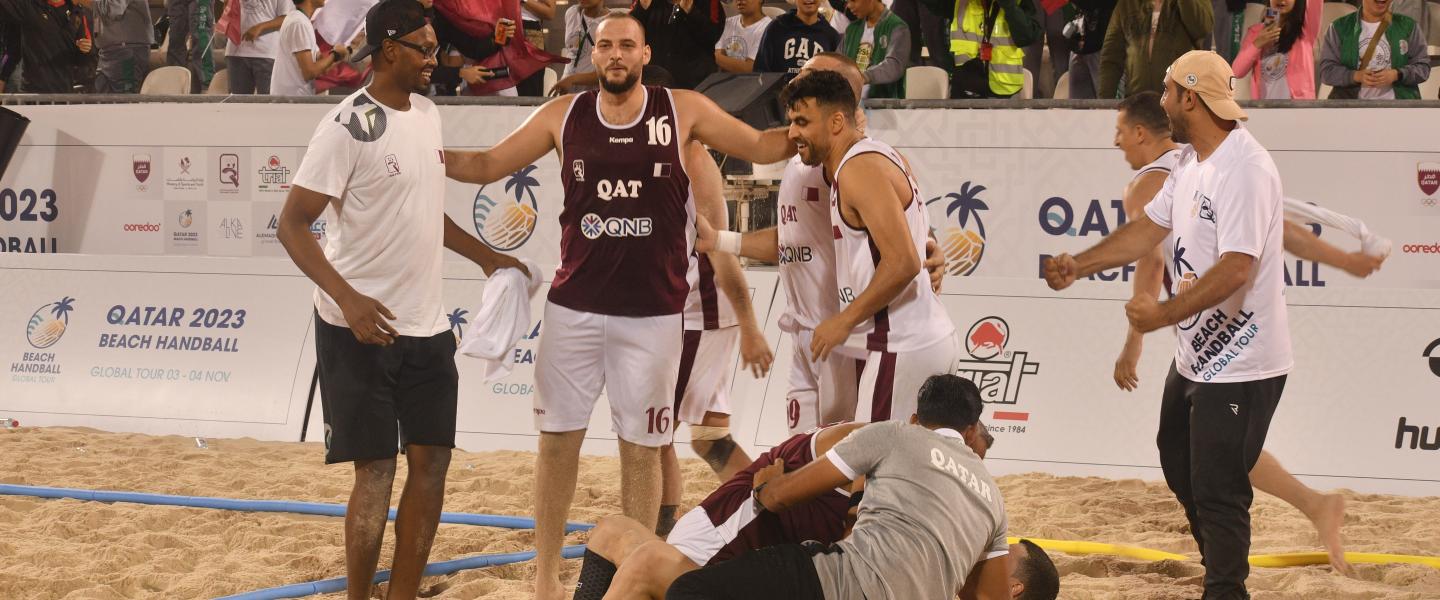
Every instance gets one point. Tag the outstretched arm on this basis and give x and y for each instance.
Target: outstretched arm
(1217, 284)
(525, 145)
(778, 493)
(715, 128)
(464, 244)
(1118, 249)
(1302, 242)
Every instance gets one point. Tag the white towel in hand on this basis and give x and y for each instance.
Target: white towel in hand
(503, 318)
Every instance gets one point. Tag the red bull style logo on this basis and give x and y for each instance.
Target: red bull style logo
(997, 372)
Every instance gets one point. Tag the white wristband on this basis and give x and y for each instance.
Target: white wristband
(728, 242)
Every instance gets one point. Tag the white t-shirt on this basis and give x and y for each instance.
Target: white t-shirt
(1231, 202)
(255, 12)
(296, 35)
(387, 169)
(1378, 62)
(739, 41)
(1273, 67)
(579, 40)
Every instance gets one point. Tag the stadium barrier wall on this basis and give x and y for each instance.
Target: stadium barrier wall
(171, 244)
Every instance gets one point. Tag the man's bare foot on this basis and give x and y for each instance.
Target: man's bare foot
(1328, 518)
(548, 588)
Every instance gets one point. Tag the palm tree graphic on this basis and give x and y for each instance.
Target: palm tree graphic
(966, 204)
(522, 183)
(62, 309)
(1181, 265)
(458, 321)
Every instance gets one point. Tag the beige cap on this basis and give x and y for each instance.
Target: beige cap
(1207, 74)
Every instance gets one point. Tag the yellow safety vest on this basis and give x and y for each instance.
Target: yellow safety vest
(1007, 68)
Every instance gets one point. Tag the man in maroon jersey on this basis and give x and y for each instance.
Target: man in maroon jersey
(622, 555)
(613, 320)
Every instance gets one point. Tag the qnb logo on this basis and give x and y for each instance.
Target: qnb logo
(49, 323)
(592, 226)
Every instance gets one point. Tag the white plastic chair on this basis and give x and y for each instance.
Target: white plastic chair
(773, 12)
(166, 81)
(1062, 87)
(1324, 93)
(1027, 91)
(1242, 88)
(926, 83)
(1430, 89)
(550, 78)
(1330, 12)
(219, 84)
(1253, 14)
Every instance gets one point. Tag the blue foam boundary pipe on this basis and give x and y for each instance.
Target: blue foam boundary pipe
(281, 506)
(330, 586)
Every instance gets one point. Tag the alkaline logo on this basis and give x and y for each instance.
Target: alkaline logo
(49, 323)
(504, 224)
(962, 237)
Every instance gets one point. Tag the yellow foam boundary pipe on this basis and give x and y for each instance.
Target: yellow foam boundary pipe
(1295, 559)
(1073, 547)
(1298, 559)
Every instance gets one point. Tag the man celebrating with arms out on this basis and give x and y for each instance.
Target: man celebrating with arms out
(382, 341)
(1222, 211)
(613, 319)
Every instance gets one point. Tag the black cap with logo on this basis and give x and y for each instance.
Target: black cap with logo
(389, 20)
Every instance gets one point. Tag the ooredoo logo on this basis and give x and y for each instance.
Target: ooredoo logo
(506, 224)
(134, 227)
(49, 323)
(962, 235)
(1431, 248)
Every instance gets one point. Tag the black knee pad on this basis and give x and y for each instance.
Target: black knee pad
(595, 575)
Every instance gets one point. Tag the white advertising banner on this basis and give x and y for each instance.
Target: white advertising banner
(1004, 188)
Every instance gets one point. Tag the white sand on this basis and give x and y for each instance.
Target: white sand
(72, 549)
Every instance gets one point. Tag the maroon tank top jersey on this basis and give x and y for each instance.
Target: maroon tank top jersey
(628, 221)
(822, 519)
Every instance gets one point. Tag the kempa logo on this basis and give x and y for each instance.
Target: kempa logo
(504, 224)
(962, 232)
(49, 323)
(996, 371)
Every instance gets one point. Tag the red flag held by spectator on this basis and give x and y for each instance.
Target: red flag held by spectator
(229, 23)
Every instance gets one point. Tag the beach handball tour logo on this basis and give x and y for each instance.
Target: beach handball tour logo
(505, 224)
(960, 230)
(49, 323)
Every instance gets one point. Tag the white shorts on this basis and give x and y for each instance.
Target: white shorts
(700, 540)
(821, 393)
(707, 369)
(634, 359)
(890, 383)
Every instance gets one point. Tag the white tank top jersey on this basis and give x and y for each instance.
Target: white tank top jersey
(807, 247)
(1164, 164)
(706, 307)
(915, 319)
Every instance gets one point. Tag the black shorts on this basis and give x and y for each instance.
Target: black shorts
(784, 572)
(374, 395)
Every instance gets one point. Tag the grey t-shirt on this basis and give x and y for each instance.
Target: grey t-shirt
(931, 512)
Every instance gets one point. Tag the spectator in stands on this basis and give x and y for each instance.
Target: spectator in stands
(988, 38)
(9, 52)
(1389, 46)
(124, 33)
(1281, 51)
(1225, 35)
(252, 46)
(533, 16)
(928, 30)
(682, 36)
(299, 62)
(794, 37)
(1145, 36)
(580, 21)
(879, 43)
(1052, 20)
(456, 49)
(192, 31)
(50, 45)
(738, 45)
(1088, 33)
